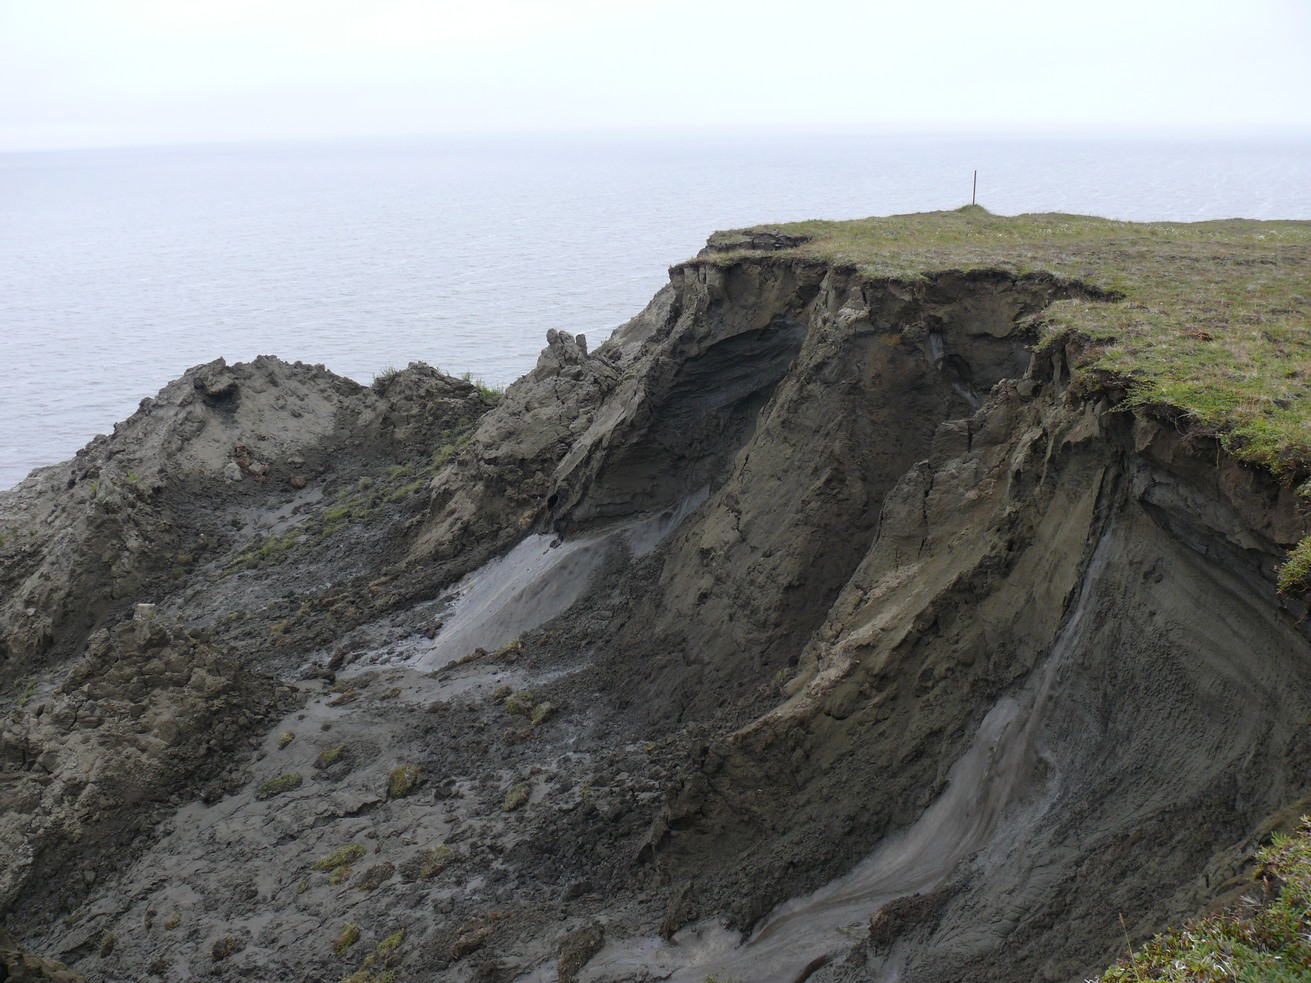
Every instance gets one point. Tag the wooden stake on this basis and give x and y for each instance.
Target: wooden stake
(974, 195)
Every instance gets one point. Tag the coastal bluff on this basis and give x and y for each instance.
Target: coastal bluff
(913, 598)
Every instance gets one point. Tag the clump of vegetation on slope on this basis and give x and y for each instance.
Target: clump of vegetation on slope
(1212, 321)
(1265, 940)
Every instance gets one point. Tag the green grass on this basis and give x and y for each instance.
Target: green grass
(347, 937)
(1210, 321)
(342, 856)
(401, 781)
(491, 393)
(277, 786)
(521, 703)
(1266, 939)
(380, 965)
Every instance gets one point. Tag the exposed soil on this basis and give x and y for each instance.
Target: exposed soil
(811, 628)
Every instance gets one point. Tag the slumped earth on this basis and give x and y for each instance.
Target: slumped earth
(833, 621)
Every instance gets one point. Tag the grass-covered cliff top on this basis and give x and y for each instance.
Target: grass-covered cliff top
(1213, 320)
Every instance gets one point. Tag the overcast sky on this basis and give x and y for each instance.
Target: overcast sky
(79, 73)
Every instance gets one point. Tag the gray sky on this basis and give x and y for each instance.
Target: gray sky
(79, 73)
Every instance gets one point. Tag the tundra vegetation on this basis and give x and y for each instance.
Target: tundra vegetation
(1266, 937)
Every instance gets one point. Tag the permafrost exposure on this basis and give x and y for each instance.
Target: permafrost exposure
(820, 625)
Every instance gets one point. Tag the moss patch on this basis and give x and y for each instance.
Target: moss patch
(542, 713)
(516, 798)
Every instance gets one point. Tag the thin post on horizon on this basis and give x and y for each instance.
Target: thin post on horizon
(974, 194)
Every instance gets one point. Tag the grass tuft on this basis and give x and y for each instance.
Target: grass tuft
(402, 780)
(347, 937)
(277, 786)
(343, 856)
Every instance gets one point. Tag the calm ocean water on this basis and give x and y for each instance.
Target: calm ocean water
(121, 268)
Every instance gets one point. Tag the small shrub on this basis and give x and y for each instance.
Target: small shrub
(343, 856)
(516, 797)
(378, 966)
(443, 454)
(402, 780)
(277, 786)
(346, 938)
(302, 886)
(284, 739)
(107, 942)
(173, 921)
(383, 376)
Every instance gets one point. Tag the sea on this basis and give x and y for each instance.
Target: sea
(119, 268)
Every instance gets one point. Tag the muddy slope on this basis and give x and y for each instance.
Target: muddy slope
(811, 628)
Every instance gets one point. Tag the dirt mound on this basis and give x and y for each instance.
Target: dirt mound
(217, 457)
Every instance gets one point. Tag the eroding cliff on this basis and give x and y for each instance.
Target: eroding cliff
(821, 624)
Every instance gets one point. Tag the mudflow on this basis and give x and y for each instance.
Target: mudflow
(813, 627)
